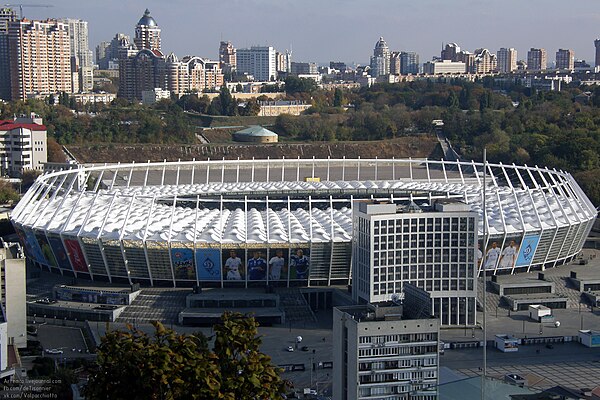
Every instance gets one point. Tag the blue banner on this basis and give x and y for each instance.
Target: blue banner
(183, 263)
(527, 250)
(35, 247)
(59, 253)
(208, 264)
(46, 250)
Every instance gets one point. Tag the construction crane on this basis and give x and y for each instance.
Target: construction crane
(27, 5)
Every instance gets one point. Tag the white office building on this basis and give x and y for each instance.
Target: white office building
(12, 293)
(379, 353)
(444, 67)
(258, 61)
(433, 248)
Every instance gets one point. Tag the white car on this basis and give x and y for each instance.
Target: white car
(290, 349)
(54, 351)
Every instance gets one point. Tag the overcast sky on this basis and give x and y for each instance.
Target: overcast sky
(344, 30)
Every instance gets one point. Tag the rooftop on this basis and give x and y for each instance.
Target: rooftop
(256, 130)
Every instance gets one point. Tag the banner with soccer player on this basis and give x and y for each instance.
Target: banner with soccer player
(299, 263)
(76, 255)
(278, 263)
(256, 266)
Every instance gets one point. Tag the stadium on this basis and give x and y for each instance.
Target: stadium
(285, 222)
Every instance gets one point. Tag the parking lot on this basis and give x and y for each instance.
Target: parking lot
(62, 338)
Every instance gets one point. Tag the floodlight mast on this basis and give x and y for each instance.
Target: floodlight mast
(483, 275)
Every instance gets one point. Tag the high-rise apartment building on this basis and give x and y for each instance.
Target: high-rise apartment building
(597, 46)
(147, 33)
(468, 59)
(6, 15)
(409, 63)
(258, 61)
(536, 59)
(111, 51)
(227, 57)
(80, 51)
(380, 61)
(565, 59)
(192, 74)
(40, 61)
(338, 65)
(283, 61)
(395, 63)
(450, 51)
(431, 248)
(379, 352)
(485, 62)
(507, 60)
(140, 72)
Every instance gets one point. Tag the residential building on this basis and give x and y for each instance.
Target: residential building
(338, 65)
(565, 59)
(227, 57)
(380, 352)
(581, 66)
(284, 61)
(192, 75)
(40, 61)
(147, 33)
(23, 145)
(105, 54)
(409, 63)
(143, 71)
(450, 52)
(507, 60)
(485, 62)
(395, 63)
(12, 293)
(380, 61)
(444, 67)
(469, 59)
(6, 15)
(304, 68)
(536, 59)
(93, 98)
(257, 61)
(597, 46)
(81, 53)
(154, 95)
(432, 248)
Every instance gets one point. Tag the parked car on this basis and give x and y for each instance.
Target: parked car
(290, 348)
(54, 351)
(304, 348)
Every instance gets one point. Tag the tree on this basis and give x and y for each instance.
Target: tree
(172, 366)
(295, 85)
(227, 102)
(338, 97)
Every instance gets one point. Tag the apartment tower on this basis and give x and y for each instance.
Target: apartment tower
(565, 59)
(536, 59)
(507, 60)
(40, 58)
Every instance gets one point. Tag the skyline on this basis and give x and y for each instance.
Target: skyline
(491, 26)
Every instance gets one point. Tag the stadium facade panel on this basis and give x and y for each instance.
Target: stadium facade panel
(281, 221)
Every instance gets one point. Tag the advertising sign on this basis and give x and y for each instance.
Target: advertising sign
(46, 250)
(527, 250)
(183, 263)
(76, 255)
(59, 252)
(208, 264)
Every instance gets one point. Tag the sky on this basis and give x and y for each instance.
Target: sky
(344, 30)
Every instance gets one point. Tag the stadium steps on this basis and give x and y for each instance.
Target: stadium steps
(340, 260)
(295, 306)
(155, 305)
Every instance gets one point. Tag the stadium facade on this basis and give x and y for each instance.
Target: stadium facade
(285, 222)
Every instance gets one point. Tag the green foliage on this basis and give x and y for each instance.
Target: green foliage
(294, 85)
(171, 366)
(7, 193)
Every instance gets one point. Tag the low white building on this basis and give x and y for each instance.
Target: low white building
(444, 67)
(23, 145)
(155, 95)
(539, 312)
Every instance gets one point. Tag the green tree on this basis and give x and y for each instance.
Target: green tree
(338, 97)
(172, 366)
(294, 85)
